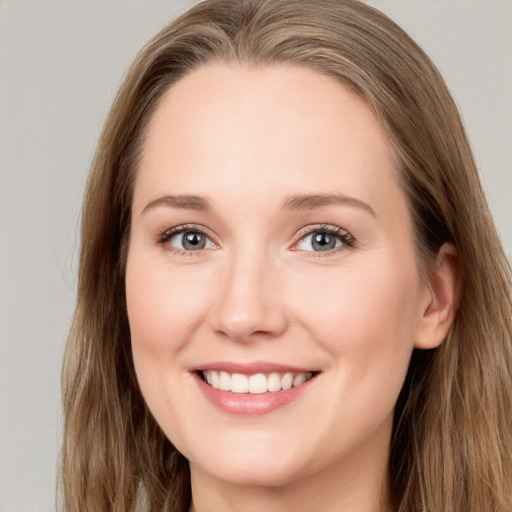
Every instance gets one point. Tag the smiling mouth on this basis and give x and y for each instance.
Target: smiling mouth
(257, 383)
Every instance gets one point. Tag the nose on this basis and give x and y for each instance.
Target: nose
(250, 304)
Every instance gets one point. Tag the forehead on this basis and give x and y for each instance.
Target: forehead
(240, 129)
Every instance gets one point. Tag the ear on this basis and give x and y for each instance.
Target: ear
(441, 299)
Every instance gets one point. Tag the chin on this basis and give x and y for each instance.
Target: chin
(266, 466)
(266, 474)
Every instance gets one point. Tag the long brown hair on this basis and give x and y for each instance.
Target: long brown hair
(452, 441)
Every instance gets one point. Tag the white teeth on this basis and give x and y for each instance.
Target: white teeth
(299, 379)
(239, 383)
(274, 382)
(215, 380)
(287, 381)
(224, 381)
(257, 383)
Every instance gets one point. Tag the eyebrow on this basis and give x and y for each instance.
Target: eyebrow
(313, 201)
(185, 202)
(297, 202)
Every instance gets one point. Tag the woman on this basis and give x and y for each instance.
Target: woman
(291, 292)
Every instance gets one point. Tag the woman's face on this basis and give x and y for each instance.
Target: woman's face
(270, 245)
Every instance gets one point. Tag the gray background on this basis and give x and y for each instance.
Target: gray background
(60, 65)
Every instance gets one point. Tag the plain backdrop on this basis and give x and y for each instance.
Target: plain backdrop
(60, 65)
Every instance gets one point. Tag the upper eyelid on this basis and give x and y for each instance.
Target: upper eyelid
(301, 233)
(330, 228)
(183, 228)
(163, 238)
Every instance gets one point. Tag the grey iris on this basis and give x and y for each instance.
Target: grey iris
(193, 241)
(323, 242)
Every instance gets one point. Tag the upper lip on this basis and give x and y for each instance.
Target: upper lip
(250, 368)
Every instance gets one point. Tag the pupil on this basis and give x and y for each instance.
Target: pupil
(194, 241)
(323, 242)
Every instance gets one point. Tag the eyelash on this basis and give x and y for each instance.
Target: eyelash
(347, 240)
(186, 228)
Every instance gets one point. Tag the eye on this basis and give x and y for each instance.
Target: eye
(189, 241)
(324, 239)
(186, 238)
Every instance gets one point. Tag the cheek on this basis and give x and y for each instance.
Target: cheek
(161, 308)
(154, 304)
(351, 302)
(148, 326)
(162, 313)
(364, 316)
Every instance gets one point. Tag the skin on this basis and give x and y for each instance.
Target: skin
(247, 139)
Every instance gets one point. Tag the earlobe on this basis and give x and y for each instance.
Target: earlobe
(442, 301)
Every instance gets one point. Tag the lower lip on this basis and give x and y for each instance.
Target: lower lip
(249, 404)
